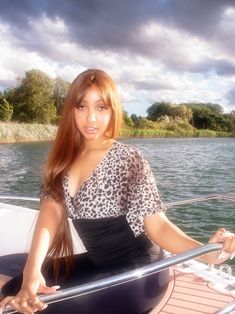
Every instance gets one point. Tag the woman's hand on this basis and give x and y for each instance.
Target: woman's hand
(227, 238)
(27, 300)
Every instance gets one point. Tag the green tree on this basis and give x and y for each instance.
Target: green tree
(34, 98)
(6, 110)
(207, 116)
(127, 120)
(59, 93)
(158, 109)
(216, 108)
(146, 124)
(230, 121)
(9, 95)
(181, 111)
(202, 117)
(136, 120)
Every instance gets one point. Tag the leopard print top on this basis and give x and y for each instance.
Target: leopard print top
(122, 184)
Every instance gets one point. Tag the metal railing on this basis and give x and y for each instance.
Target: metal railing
(209, 197)
(128, 276)
(19, 198)
(229, 309)
(224, 197)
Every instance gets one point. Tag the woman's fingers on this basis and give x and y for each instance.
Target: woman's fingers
(45, 289)
(27, 302)
(229, 243)
(228, 240)
(23, 305)
(37, 304)
(219, 236)
(5, 301)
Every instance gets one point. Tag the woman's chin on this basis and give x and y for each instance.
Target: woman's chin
(92, 137)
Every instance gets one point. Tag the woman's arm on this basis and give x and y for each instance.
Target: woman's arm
(49, 219)
(168, 236)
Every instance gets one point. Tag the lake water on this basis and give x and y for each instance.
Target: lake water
(183, 168)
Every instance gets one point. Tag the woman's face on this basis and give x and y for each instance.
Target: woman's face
(92, 116)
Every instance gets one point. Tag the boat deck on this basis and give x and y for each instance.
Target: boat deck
(189, 294)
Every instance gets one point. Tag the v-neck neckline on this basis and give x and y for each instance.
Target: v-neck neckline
(90, 176)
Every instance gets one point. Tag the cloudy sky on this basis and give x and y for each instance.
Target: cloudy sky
(171, 50)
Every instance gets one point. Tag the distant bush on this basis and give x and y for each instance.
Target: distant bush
(146, 124)
(170, 128)
(6, 110)
(127, 120)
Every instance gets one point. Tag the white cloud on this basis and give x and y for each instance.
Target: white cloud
(160, 62)
(174, 47)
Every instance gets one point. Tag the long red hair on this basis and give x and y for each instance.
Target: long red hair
(68, 141)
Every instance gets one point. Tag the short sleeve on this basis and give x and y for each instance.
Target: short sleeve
(142, 196)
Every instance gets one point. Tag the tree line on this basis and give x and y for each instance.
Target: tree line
(199, 115)
(39, 98)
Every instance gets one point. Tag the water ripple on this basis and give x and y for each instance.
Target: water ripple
(183, 168)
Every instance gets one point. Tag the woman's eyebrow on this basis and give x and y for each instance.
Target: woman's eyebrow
(98, 100)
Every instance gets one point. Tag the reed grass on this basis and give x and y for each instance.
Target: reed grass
(177, 132)
(11, 132)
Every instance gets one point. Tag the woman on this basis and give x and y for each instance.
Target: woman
(107, 188)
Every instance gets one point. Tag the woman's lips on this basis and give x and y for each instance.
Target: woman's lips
(90, 130)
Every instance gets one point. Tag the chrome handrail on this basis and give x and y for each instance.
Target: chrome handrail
(19, 198)
(204, 198)
(201, 199)
(227, 309)
(125, 277)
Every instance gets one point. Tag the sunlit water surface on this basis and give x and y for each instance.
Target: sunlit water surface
(183, 168)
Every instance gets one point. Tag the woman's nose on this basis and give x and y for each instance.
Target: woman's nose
(91, 116)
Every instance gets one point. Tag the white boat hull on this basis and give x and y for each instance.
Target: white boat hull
(16, 230)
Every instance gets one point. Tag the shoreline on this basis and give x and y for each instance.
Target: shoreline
(12, 132)
(24, 141)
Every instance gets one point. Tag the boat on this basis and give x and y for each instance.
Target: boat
(177, 284)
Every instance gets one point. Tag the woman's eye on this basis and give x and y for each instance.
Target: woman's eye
(103, 107)
(80, 107)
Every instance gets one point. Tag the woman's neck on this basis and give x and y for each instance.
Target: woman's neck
(88, 146)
